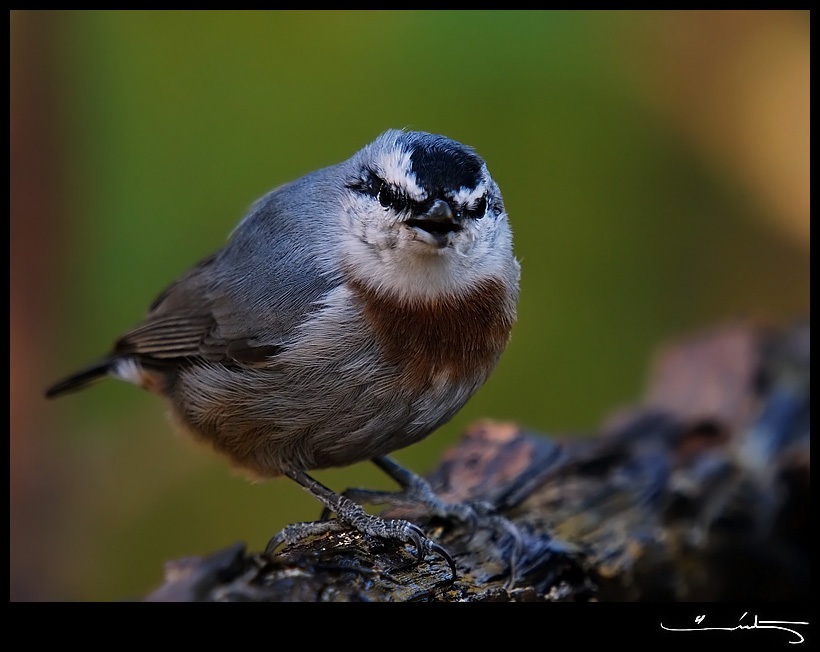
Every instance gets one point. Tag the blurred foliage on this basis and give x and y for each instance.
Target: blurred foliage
(631, 225)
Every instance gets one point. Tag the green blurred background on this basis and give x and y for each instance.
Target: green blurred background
(655, 166)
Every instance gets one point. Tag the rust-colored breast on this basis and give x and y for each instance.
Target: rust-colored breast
(461, 337)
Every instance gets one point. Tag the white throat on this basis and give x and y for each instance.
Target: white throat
(412, 270)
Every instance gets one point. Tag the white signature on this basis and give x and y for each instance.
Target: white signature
(757, 624)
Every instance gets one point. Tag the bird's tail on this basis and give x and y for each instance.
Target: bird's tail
(76, 381)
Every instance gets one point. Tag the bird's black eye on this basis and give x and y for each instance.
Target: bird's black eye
(476, 212)
(369, 184)
(374, 186)
(388, 196)
(391, 198)
(385, 197)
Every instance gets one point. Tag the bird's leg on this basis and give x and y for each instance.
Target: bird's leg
(416, 491)
(349, 513)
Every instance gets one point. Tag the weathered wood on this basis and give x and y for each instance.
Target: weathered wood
(698, 492)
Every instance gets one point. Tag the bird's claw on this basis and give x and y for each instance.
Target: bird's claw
(394, 529)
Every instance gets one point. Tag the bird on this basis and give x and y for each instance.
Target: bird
(351, 313)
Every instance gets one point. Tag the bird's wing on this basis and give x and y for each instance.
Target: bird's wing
(219, 313)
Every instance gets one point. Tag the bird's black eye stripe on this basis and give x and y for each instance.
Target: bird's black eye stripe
(477, 210)
(369, 184)
(390, 196)
(387, 195)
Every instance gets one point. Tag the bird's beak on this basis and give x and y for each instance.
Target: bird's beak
(437, 224)
(440, 212)
(439, 220)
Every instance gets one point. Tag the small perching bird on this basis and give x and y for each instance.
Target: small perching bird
(351, 313)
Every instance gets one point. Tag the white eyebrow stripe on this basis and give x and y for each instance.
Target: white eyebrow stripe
(395, 168)
(467, 196)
